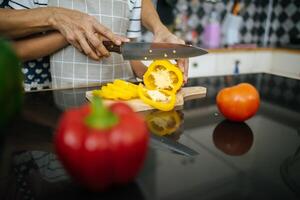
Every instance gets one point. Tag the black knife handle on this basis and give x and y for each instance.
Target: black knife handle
(110, 46)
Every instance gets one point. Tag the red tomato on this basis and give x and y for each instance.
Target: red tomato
(238, 103)
(102, 146)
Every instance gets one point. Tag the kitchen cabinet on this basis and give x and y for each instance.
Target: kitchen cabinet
(226, 62)
(222, 62)
(262, 61)
(286, 63)
(203, 65)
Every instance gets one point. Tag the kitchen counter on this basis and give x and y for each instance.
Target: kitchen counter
(205, 157)
(254, 49)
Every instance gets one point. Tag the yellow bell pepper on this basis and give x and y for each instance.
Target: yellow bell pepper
(161, 99)
(132, 88)
(105, 93)
(163, 75)
(163, 123)
(119, 92)
(119, 89)
(162, 80)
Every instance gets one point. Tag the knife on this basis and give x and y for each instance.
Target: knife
(171, 145)
(153, 51)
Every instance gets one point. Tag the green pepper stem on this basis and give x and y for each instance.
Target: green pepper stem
(100, 117)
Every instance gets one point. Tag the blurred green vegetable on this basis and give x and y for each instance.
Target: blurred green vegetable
(11, 88)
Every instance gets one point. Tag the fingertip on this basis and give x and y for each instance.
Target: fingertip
(185, 80)
(123, 38)
(118, 42)
(96, 58)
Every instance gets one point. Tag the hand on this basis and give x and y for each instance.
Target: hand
(164, 35)
(84, 32)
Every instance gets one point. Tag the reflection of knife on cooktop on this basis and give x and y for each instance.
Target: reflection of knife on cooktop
(173, 146)
(152, 51)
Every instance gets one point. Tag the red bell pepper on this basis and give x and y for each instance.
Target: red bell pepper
(101, 146)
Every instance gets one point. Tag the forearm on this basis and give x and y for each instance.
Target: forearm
(39, 46)
(150, 18)
(20, 23)
(138, 68)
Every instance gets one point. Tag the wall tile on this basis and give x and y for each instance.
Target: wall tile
(193, 15)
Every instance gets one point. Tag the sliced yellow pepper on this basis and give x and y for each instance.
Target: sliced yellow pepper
(105, 93)
(119, 92)
(109, 93)
(161, 99)
(119, 89)
(162, 80)
(163, 75)
(125, 84)
(163, 123)
(132, 88)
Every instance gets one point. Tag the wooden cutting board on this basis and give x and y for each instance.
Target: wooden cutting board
(186, 93)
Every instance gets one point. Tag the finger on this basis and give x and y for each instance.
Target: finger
(96, 41)
(119, 37)
(186, 69)
(94, 49)
(123, 38)
(180, 41)
(77, 46)
(103, 51)
(71, 38)
(101, 57)
(107, 33)
(182, 66)
(86, 47)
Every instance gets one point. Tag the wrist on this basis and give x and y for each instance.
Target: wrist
(52, 19)
(159, 29)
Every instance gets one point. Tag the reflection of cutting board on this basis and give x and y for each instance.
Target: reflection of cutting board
(186, 93)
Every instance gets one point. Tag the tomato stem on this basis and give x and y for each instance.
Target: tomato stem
(100, 117)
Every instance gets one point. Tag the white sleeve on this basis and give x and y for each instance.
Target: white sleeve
(27, 4)
(134, 30)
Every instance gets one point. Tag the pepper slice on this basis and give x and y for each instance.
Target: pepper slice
(105, 93)
(163, 123)
(161, 99)
(132, 88)
(119, 92)
(163, 75)
(119, 89)
(125, 84)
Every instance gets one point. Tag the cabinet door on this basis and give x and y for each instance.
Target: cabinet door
(202, 65)
(262, 61)
(285, 63)
(225, 63)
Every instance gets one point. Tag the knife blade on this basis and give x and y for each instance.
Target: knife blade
(176, 147)
(153, 51)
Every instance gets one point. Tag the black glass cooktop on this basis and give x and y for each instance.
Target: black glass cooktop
(199, 156)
